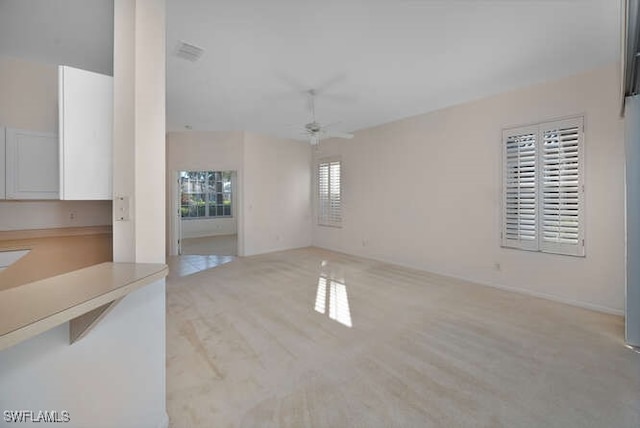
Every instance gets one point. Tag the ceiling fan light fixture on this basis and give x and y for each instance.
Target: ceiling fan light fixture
(315, 130)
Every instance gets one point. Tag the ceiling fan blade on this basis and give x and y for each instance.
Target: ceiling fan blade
(323, 87)
(291, 82)
(339, 98)
(332, 124)
(302, 87)
(337, 134)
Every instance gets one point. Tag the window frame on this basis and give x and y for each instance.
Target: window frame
(541, 245)
(320, 220)
(207, 195)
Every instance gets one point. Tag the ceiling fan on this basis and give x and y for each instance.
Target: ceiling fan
(317, 131)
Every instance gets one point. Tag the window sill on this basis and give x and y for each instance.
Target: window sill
(206, 218)
(335, 226)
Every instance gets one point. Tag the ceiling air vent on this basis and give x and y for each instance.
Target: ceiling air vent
(189, 52)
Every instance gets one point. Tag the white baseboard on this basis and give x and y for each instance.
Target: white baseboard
(164, 422)
(553, 297)
(533, 293)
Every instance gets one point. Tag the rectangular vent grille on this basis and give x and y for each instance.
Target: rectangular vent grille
(189, 52)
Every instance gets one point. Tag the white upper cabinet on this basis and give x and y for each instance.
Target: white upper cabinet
(31, 165)
(86, 134)
(3, 193)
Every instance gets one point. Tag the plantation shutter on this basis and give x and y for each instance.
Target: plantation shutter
(562, 187)
(520, 188)
(543, 191)
(329, 194)
(323, 193)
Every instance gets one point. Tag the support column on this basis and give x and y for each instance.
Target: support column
(632, 143)
(139, 130)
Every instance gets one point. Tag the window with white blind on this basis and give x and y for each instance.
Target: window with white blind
(329, 194)
(543, 190)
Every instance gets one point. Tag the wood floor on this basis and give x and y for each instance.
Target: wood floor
(315, 338)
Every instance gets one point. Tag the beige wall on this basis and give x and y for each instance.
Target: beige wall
(22, 215)
(426, 192)
(221, 151)
(202, 151)
(198, 228)
(29, 100)
(277, 194)
(29, 95)
(273, 205)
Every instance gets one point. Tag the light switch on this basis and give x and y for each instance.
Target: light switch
(122, 208)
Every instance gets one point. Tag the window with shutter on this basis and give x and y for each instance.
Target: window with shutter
(520, 219)
(562, 201)
(329, 193)
(543, 187)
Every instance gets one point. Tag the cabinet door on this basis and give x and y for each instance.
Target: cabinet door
(31, 165)
(3, 193)
(86, 134)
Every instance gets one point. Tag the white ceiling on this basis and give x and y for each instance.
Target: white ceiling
(373, 60)
(382, 59)
(78, 33)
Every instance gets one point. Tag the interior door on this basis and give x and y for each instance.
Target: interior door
(179, 231)
(177, 214)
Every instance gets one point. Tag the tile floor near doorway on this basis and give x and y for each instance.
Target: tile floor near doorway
(221, 245)
(315, 338)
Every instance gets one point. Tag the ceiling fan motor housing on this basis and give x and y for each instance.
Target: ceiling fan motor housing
(313, 127)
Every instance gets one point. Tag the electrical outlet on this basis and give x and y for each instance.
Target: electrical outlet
(72, 216)
(497, 266)
(122, 208)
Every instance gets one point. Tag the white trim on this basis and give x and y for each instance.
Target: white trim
(539, 244)
(164, 420)
(208, 215)
(538, 294)
(582, 115)
(328, 161)
(174, 221)
(3, 161)
(519, 244)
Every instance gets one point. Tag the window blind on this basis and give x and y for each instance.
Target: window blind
(520, 219)
(562, 209)
(329, 193)
(543, 187)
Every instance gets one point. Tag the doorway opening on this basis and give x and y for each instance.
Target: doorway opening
(207, 214)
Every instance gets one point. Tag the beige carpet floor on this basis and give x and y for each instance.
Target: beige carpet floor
(312, 338)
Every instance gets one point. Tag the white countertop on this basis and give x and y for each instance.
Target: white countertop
(30, 309)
